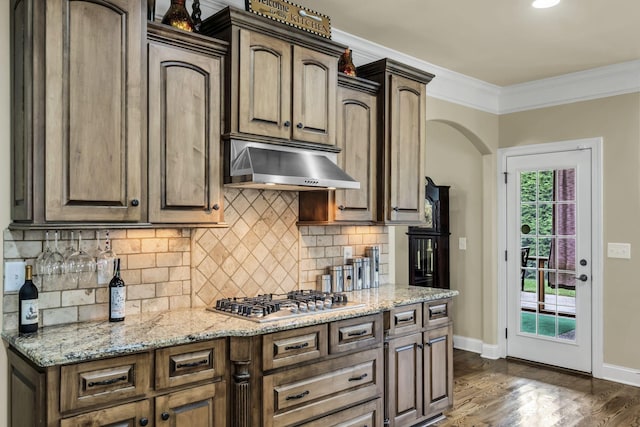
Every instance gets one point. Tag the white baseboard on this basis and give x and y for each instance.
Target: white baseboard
(621, 374)
(491, 351)
(467, 344)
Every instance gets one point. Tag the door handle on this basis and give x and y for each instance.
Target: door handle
(582, 277)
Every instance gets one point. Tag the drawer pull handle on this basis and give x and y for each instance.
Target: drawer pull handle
(298, 396)
(297, 346)
(192, 364)
(357, 333)
(361, 377)
(405, 319)
(107, 382)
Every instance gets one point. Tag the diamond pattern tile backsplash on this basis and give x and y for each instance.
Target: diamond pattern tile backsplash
(258, 253)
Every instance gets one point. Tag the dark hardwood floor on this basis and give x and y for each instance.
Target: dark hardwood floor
(514, 393)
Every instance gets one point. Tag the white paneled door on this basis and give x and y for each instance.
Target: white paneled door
(549, 271)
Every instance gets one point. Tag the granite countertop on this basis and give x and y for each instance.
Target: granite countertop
(79, 342)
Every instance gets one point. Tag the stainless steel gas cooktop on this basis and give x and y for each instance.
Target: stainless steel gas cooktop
(272, 307)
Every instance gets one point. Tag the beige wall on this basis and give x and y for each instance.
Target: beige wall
(617, 120)
(4, 180)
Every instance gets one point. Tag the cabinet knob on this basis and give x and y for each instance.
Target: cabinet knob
(144, 421)
(287, 124)
(216, 207)
(341, 207)
(164, 416)
(299, 125)
(135, 202)
(395, 209)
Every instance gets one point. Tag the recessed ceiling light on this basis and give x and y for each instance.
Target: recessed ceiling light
(543, 4)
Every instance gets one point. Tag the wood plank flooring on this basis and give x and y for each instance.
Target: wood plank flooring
(509, 393)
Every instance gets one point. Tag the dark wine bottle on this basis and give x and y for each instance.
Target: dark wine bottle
(117, 296)
(28, 305)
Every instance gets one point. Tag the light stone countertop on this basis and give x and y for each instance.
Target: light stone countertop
(79, 342)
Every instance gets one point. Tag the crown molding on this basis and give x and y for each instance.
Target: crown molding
(601, 82)
(461, 89)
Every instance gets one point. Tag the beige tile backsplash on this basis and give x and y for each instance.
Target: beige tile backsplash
(262, 251)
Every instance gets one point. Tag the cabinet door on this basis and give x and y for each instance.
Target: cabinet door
(315, 82)
(128, 415)
(438, 370)
(404, 381)
(406, 151)
(203, 406)
(185, 174)
(265, 85)
(94, 113)
(357, 138)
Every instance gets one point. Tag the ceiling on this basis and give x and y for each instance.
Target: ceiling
(502, 42)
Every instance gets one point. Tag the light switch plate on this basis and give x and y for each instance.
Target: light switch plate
(13, 275)
(619, 250)
(462, 243)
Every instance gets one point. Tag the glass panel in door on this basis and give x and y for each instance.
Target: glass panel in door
(548, 253)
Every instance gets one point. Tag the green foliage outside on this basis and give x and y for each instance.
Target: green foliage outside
(536, 190)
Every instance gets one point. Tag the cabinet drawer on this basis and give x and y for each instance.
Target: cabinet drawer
(367, 414)
(130, 414)
(352, 334)
(404, 319)
(305, 393)
(190, 363)
(437, 313)
(104, 381)
(292, 347)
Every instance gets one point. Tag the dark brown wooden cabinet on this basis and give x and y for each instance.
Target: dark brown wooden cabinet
(184, 101)
(357, 138)
(281, 83)
(401, 152)
(418, 362)
(77, 111)
(429, 244)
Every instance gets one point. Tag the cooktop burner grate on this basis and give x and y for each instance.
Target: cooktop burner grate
(272, 307)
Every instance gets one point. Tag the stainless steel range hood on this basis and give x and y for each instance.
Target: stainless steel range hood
(275, 167)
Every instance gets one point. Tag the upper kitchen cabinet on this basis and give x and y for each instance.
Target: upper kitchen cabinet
(184, 101)
(357, 138)
(401, 153)
(77, 124)
(281, 82)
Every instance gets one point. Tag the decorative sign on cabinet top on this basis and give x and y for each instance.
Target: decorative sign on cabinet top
(292, 14)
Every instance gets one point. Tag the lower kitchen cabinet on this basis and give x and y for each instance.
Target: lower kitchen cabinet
(127, 415)
(119, 391)
(404, 374)
(418, 364)
(203, 406)
(368, 414)
(438, 370)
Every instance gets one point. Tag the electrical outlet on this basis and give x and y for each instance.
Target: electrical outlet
(13, 275)
(347, 252)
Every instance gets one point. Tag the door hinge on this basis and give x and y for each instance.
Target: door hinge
(506, 334)
(505, 255)
(505, 177)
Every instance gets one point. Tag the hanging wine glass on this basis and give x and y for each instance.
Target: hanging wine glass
(69, 250)
(54, 264)
(40, 261)
(82, 265)
(104, 262)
